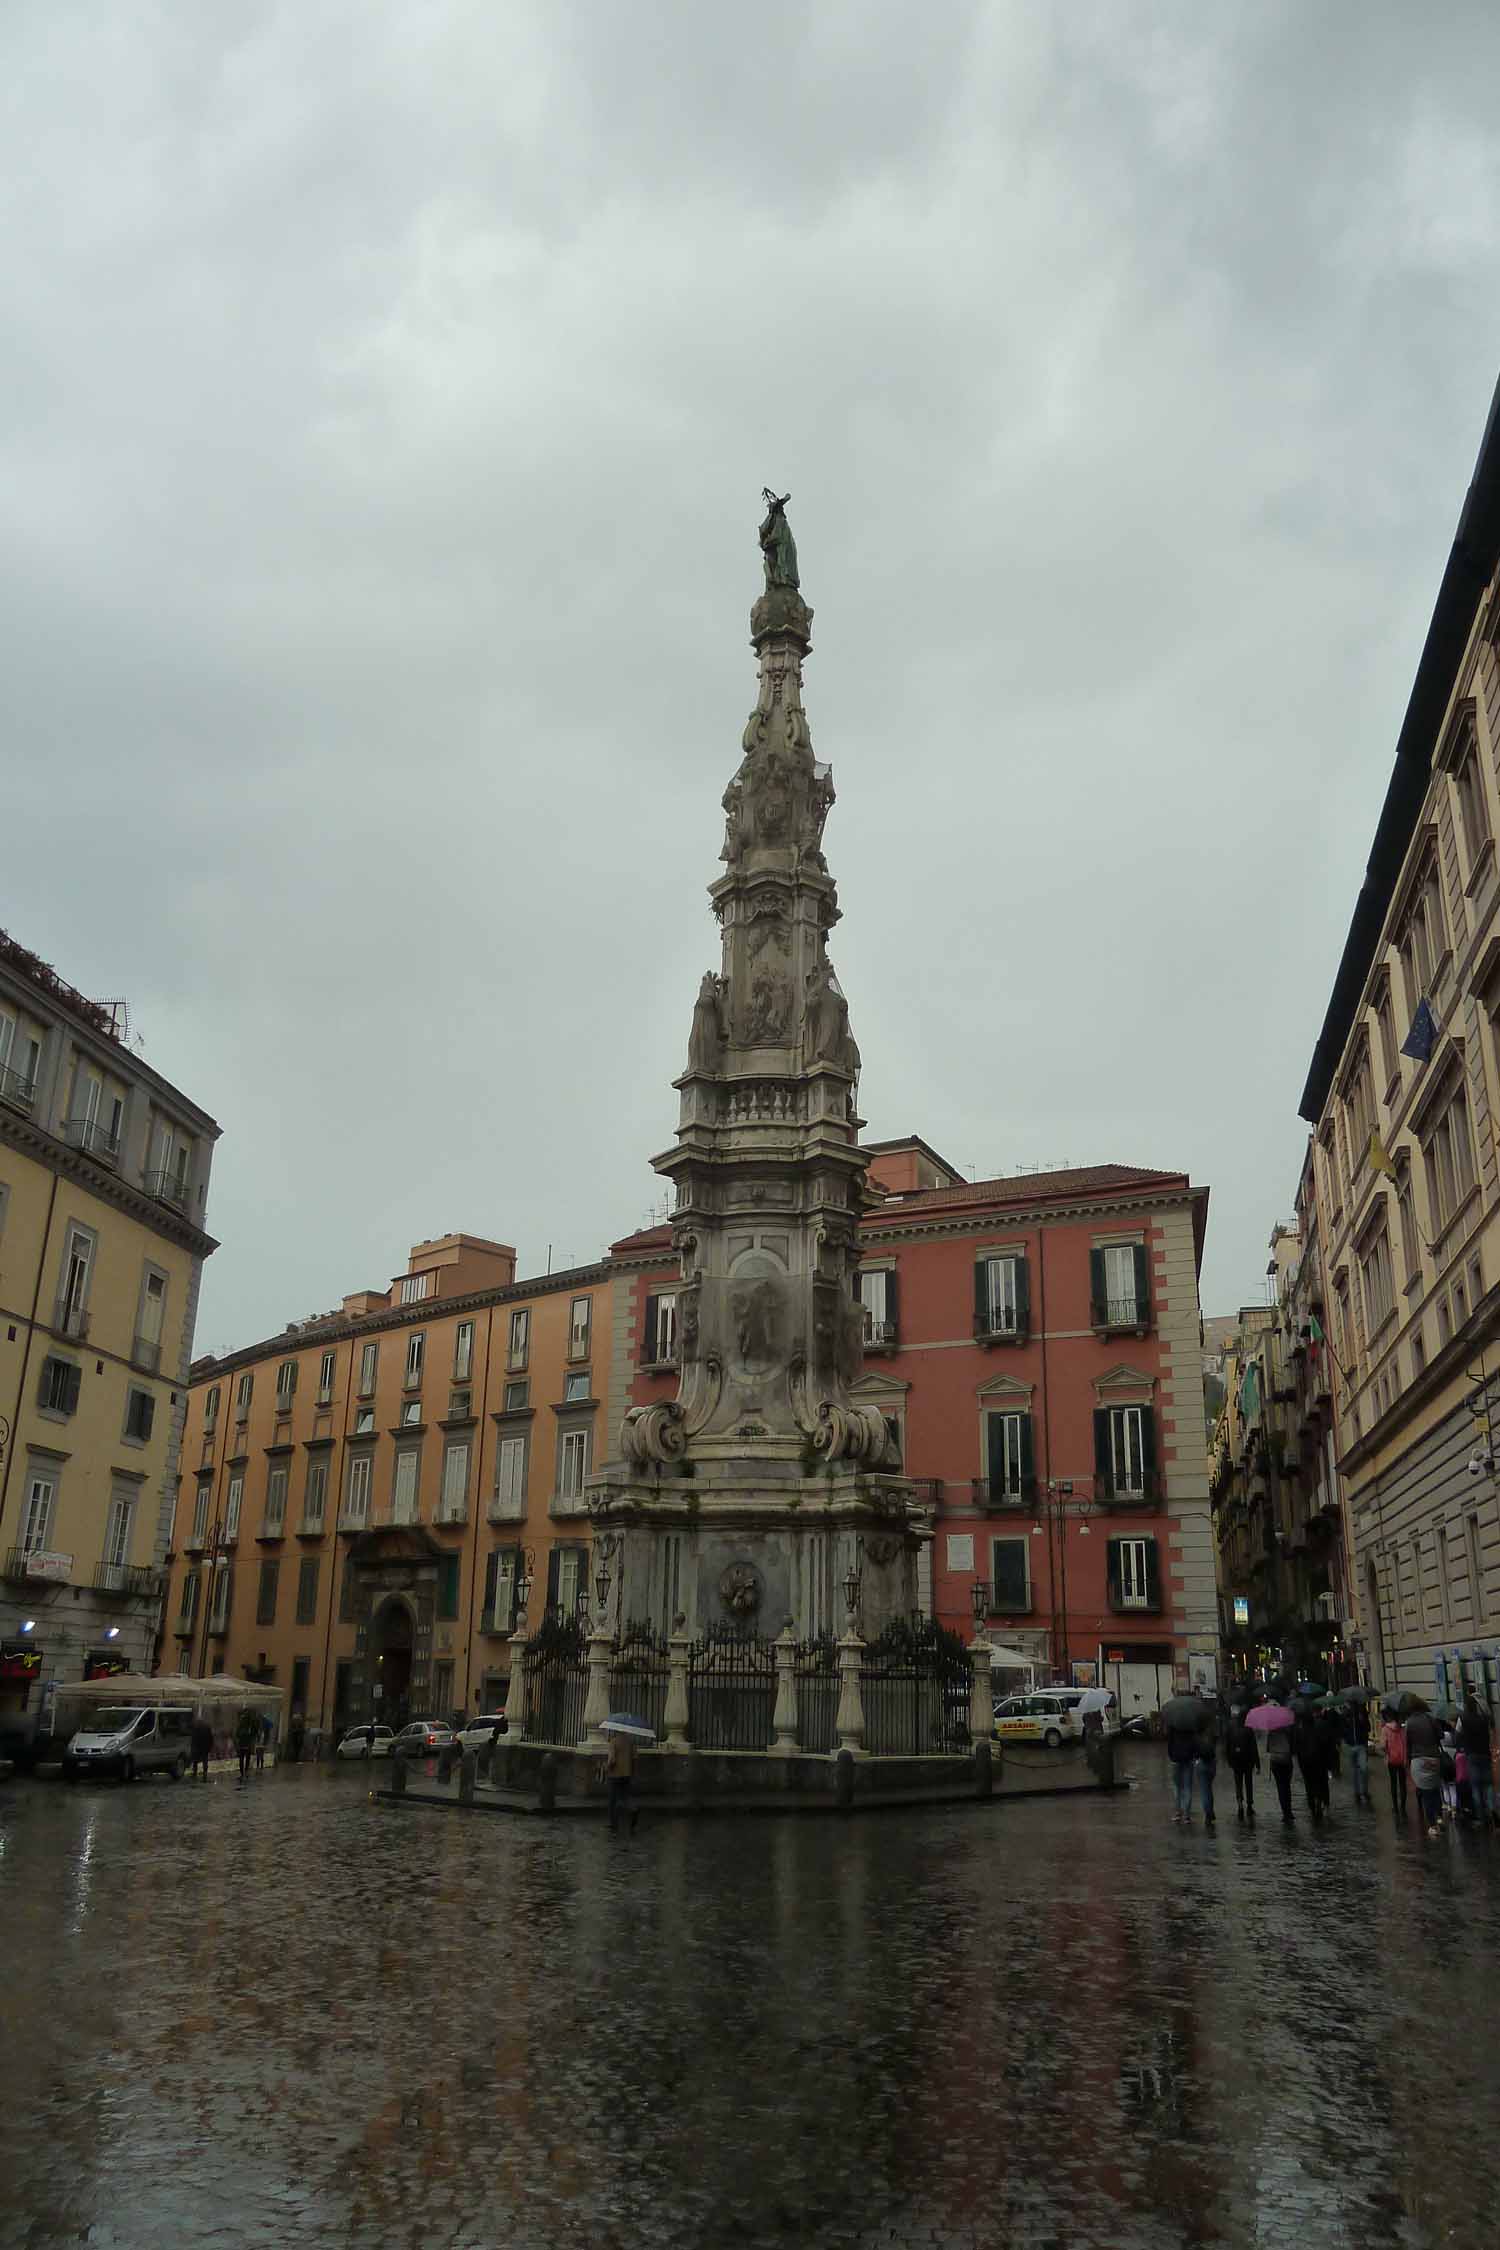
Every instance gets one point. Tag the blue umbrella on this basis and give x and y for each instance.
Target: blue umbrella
(628, 1722)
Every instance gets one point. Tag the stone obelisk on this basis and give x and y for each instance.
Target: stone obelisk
(767, 1474)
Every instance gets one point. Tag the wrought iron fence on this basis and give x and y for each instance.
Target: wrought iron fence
(816, 1673)
(638, 1674)
(914, 1683)
(731, 1690)
(557, 1683)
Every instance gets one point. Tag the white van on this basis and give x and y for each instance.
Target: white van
(128, 1739)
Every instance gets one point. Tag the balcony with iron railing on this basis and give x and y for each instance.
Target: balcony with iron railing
(1001, 1601)
(660, 1359)
(312, 1526)
(135, 1579)
(880, 1335)
(18, 1091)
(145, 1354)
(72, 1320)
(996, 1494)
(93, 1138)
(1001, 1324)
(1120, 1315)
(1134, 1489)
(354, 1519)
(169, 1188)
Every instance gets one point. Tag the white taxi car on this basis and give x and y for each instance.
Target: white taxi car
(1044, 1716)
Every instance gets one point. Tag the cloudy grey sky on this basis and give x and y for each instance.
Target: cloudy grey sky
(387, 394)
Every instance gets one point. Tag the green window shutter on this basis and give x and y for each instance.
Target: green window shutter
(1097, 1295)
(648, 1332)
(890, 1300)
(981, 1298)
(491, 1579)
(447, 1586)
(553, 1561)
(1148, 1451)
(1008, 1568)
(1023, 1298)
(1153, 1574)
(994, 1430)
(1102, 1466)
(1142, 1278)
(148, 1413)
(1028, 1458)
(1115, 1594)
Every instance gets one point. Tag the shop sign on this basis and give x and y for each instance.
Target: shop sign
(1242, 1609)
(19, 1660)
(104, 1664)
(1114, 1656)
(40, 1564)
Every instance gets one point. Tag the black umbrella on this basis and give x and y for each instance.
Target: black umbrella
(1355, 1695)
(1184, 1711)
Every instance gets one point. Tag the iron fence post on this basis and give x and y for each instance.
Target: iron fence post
(981, 1702)
(596, 1707)
(784, 1716)
(850, 1723)
(515, 1694)
(675, 1716)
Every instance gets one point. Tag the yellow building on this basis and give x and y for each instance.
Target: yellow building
(103, 1187)
(361, 1495)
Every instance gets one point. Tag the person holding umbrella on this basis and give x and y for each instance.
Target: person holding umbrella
(623, 1731)
(1424, 1751)
(1191, 1745)
(1355, 1723)
(1276, 1722)
(1475, 1739)
(1244, 1762)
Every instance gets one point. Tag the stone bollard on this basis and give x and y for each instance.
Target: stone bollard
(984, 1771)
(675, 1716)
(596, 1703)
(468, 1774)
(981, 1696)
(843, 1781)
(515, 1694)
(398, 1777)
(546, 1784)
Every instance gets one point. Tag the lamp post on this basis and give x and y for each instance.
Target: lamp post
(216, 1561)
(852, 1587)
(525, 1580)
(1057, 1504)
(979, 1599)
(606, 1547)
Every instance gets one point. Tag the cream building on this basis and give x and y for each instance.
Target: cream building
(1407, 1183)
(103, 1186)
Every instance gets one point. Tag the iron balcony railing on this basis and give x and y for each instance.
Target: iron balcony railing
(311, 1526)
(656, 1356)
(168, 1188)
(1001, 1324)
(145, 1354)
(879, 1334)
(17, 1091)
(1120, 1312)
(1003, 1492)
(125, 1578)
(1002, 1602)
(72, 1320)
(95, 1139)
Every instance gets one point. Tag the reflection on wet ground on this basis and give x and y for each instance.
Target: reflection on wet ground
(283, 2014)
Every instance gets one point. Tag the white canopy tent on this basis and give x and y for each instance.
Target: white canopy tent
(171, 1687)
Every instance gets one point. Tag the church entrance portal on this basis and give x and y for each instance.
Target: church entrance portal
(392, 1645)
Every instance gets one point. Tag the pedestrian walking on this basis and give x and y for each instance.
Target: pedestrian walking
(1312, 1762)
(1243, 1758)
(246, 1735)
(619, 1774)
(1206, 1762)
(1356, 1728)
(1424, 1754)
(262, 1738)
(1476, 1737)
(1182, 1755)
(1448, 1768)
(201, 1744)
(1279, 1754)
(1393, 1743)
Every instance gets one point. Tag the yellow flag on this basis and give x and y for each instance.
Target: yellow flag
(1378, 1156)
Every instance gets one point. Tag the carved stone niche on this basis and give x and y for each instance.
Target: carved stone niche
(741, 1591)
(757, 1337)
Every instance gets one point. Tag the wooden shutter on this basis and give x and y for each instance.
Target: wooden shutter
(1148, 1452)
(553, 1560)
(1116, 1590)
(1023, 1299)
(491, 1578)
(1028, 1458)
(1098, 1293)
(1008, 1564)
(890, 1300)
(1102, 1468)
(994, 1432)
(1142, 1279)
(648, 1333)
(981, 1299)
(1153, 1574)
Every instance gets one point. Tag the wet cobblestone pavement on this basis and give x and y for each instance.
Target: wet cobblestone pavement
(283, 2014)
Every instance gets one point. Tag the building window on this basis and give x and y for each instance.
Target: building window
(150, 1319)
(1477, 1602)
(36, 1521)
(242, 1395)
(73, 1285)
(117, 1530)
(516, 1395)
(877, 1295)
(1001, 1297)
(579, 1315)
(307, 1589)
(416, 1349)
(211, 1409)
(460, 1406)
(1118, 1291)
(188, 1607)
(357, 1494)
(327, 1367)
(1009, 1459)
(20, 1055)
(1411, 1256)
(368, 1362)
(1418, 1352)
(1473, 809)
(286, 1382)
(218, 1608)
(60, 1385)
(411, 1413)
(364, 1421)
(168, 1178)
(659, 1330)
(1385, 1024)
(404, 1486)
(510, 1477)
(463, 1351)
(233, 1503)
(1422, 941)
(572, 1463)
(265, 1604)
(1450, 1161)
(1010, 1575)
(447, 1590)
(1134, 1574)
(575, 1389)
(1375, 1268)
(275, 1520)
(314, 1499)
(499, 1614)
(140, 1413)
(1124, 1451)
(414, 1287)
(520, 1338)
(565, 1567)
(455, 1491)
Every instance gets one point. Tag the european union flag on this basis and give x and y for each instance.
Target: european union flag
(1422, 1037)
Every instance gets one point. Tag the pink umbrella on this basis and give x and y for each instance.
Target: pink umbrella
(1269, 1718)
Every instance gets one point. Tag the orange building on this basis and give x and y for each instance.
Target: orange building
(1034, 1343)
(361, 1494)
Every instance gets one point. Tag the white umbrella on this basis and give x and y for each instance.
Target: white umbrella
(1094, 1699)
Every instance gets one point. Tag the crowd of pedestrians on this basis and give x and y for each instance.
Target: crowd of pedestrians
(1292, 1733)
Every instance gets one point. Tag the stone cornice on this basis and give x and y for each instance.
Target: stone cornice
(69, 1163)
(983, 1218)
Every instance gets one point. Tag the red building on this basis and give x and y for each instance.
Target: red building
(1035, 1344)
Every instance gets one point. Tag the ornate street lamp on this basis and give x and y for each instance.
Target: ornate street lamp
(979, 1596)
(851, 1588)
(525, 1580)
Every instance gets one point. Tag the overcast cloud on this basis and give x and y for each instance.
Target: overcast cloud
(388, 391)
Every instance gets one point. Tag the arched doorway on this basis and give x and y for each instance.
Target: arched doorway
(391, 1644)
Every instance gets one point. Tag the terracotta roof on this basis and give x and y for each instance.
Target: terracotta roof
(1029, 1187)
(649, 1238)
